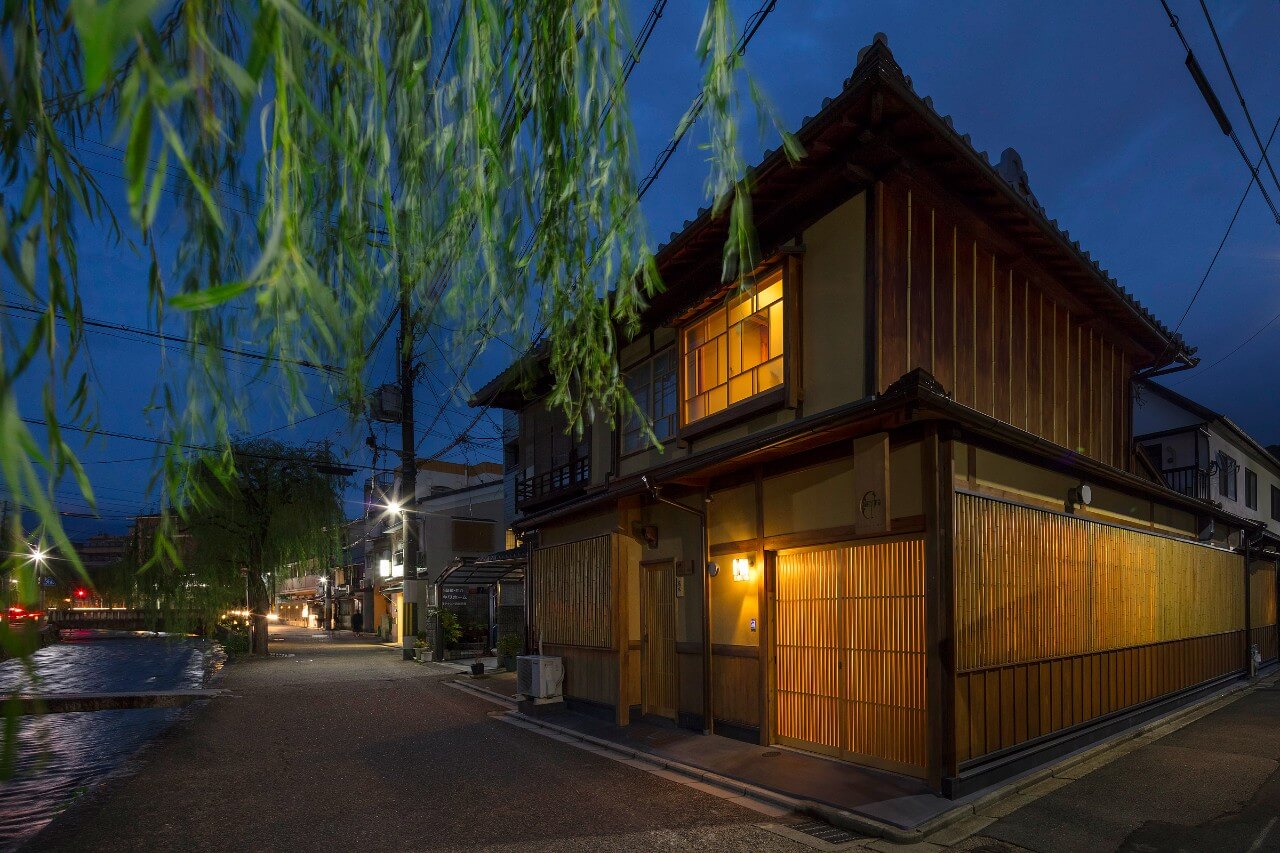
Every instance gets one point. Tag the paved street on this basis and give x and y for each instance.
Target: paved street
(1210, 787)
(338, 743)
(344, 746)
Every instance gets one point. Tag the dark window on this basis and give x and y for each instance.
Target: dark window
(1250, 489)
(1154, 455)
(653, 385)
(1228, 470)
(1275, 503)
(511, 455)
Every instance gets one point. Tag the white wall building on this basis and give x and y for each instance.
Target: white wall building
(1201, 453)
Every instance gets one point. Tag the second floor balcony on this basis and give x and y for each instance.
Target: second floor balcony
(559, 482)
(1188, 480)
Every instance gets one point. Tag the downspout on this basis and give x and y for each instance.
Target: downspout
(708, 722)
(1251, 660)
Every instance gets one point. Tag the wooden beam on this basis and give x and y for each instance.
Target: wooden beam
(938, 473)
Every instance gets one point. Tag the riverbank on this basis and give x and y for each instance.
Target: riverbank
(33, 638)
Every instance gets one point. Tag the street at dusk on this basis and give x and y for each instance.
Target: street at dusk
(540, 425)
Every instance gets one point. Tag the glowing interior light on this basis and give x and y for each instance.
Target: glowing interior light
(741, 569)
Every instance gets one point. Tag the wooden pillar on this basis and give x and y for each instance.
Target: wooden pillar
(1248, 602)
(764, 624)
(621, 635)
(939, 605)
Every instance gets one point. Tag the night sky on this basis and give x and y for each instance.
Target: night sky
(1117, 142)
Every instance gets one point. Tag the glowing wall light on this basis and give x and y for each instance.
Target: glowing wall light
(742, 568)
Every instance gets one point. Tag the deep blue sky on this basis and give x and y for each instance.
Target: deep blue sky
(1119, 147)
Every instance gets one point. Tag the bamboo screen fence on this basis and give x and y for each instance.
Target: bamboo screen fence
(572, 588)
(1060, 620)
(850, 652)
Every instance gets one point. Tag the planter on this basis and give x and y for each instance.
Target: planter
(422, 655)
(507, 662)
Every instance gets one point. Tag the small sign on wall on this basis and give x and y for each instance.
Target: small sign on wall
(679, 587)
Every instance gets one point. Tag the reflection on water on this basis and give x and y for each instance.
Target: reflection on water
(60, 755)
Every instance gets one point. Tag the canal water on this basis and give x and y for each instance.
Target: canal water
(60, 756)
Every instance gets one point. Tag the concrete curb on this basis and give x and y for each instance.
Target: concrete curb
(1112, 749)
(483, 692)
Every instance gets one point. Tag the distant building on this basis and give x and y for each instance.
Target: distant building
(457, 512)
(1204, 454)
(102, 550)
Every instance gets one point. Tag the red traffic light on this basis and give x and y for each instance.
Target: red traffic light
(81, 592)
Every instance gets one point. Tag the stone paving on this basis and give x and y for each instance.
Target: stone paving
(334, 742)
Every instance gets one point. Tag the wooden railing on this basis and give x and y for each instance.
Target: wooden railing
(1189, 480)
(562, 479)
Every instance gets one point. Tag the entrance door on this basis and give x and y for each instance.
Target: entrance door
(658, 639)
(850, 652)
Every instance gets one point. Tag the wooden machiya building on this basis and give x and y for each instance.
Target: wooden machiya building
(897, 517)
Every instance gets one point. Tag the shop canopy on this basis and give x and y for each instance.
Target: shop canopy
(508, 565)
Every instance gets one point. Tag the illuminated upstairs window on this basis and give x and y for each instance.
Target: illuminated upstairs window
(734, 352)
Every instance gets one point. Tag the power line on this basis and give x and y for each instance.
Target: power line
(633, 60)
(200, 448)
(1237, 349)
(1222, 52)
(1215, 106)
(752, 26)
(695, 109)
(1223, 242)
(39, 313)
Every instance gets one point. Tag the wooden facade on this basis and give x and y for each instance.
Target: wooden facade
(1061, 620)
(998, 333)
(1262, 609)
(898, 609)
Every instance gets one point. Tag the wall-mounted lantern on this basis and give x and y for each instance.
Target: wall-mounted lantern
(742, 568)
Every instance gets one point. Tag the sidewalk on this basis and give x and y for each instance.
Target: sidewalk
(903, 809)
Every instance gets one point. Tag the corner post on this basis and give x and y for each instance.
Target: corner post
(940, 690)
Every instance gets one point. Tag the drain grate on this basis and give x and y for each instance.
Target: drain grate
(825, 832)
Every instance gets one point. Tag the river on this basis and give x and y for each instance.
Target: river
(60, 756)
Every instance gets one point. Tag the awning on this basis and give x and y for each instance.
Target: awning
(505, 565)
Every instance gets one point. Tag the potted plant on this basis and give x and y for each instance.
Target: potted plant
(509, 645)
(421, 648)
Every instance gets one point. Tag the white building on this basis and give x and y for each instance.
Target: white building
(1201, 453)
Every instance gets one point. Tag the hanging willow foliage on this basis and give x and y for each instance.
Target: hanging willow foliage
(326, 157)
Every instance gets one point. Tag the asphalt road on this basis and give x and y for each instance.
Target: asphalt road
(1212, 786)
(342, 746)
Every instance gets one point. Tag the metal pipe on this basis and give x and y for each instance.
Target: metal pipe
(708, 719)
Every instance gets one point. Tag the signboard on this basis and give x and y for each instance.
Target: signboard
(454, 596)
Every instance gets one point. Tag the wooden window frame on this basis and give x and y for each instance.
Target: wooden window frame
(1250, 488)
(673, 351)
(1275, 503)
(785, 394)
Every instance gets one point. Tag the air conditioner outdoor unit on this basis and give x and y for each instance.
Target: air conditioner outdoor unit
(540, 678)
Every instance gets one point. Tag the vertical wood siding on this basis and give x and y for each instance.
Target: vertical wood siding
(850, 652)
(1262, 607)
(658, 644)
(572, 588)
(1060, 620)
(735, 689)
(991, 332)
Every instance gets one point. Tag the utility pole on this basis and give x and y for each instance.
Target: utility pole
(408, 474)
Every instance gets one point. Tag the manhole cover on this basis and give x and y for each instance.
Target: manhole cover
(825, 832)
(770, 753)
